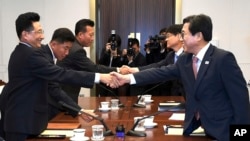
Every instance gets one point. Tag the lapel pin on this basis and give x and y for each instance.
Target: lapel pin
(206, 62)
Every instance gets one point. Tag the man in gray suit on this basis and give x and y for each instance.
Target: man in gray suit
(217, 96)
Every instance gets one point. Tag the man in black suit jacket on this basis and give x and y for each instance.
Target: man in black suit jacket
(218, 96)
(135, 59)
(77, 58)
(23, 102)
(174, 43)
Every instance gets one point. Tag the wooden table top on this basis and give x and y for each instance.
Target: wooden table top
(125, 116)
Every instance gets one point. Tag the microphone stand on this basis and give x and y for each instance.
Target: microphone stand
(132, 131)
(119, 104)
(107, 131)
(140, 97)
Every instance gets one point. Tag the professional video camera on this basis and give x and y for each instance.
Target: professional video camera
(154, 42)
(113, 42)
(130, 50)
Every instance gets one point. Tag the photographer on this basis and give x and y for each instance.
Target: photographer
(134, 58)
(155, 47)
(111, 53)
(111, 57)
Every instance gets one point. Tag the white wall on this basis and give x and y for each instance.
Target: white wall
(54, 14)
(230, 25)
(230, 19)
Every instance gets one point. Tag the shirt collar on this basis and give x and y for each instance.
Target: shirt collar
(202, 52)
(26, 44)
(179, 52)
(53, 55)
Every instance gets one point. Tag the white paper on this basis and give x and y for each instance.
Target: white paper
(178, 130)
(169, 104)
(175, 131)
(68, 133)
(177, 116)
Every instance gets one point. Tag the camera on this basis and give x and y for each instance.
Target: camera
(113, 42)
(154, 42)
(130, 50)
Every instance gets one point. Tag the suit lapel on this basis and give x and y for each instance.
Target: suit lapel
(48, 53)
(204, 65)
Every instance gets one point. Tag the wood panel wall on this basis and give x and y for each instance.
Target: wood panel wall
(125, 16)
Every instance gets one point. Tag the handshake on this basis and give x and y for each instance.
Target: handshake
(115, 80)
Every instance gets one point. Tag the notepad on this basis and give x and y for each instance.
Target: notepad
(178, 130)
(177, 116)
(68, 133)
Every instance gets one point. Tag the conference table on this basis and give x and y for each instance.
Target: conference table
(125, 116)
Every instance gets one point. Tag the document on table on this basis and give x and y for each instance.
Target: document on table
(68, 133)
(178, 130)
(177, 116)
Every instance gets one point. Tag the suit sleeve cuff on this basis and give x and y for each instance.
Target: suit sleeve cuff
(132, 79)
(80, 112)
(97, 78)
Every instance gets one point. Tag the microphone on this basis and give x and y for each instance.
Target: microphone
(132, 131)
(116, 97)
(140, 97)
(107, 131)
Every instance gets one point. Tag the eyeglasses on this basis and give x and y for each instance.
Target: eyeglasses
(38, 32)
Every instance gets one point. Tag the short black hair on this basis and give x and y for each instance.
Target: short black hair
(81, 25)
(24, 22)
(200, 23)
(62, 35)
(174, 29)
(135, 42)
(163, 30)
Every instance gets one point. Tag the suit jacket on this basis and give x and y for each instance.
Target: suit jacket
(156, 55)
(23, 101)
(78, 60)
(173, 87)
(105, 58)
(138, 60)
(219, 93)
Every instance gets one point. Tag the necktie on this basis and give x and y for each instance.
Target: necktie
(195, 60)
(175, 58)
(111, 59)
(195, 67)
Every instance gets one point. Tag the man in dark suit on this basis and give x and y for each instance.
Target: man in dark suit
(77, 58)
(23, 102)
(218, 96)
(175, 44)
(134, 59)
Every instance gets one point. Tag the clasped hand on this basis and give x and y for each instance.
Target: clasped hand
(114, 79)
